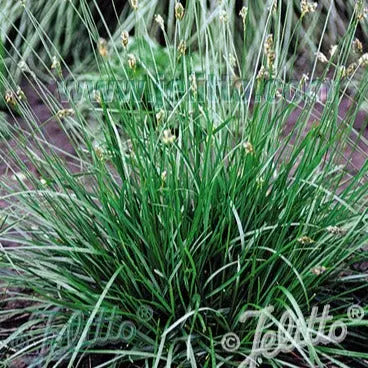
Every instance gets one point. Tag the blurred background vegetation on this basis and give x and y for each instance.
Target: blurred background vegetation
(34, 33)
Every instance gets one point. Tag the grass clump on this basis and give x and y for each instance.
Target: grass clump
(185, 207)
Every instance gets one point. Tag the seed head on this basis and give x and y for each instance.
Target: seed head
(305, 240)
(360, 10)
(168, 137)
(364, 14)
(248, 147)
(20, 94)
(224, 18)
(263, 74)
(97, 96)
(23, 66)
(18, 176)
(134, 4)
(160, 21)
(237, 83)
(182, 48)
(100, 152)
(342, 71)
(319, 270)
(278, 94)
(179, 11)
(232, 60)
(321, 57)
(160, 115)
(269, 50)
(336, 230)
(350, 70)
(243, 13)
(307, 7)
(268, 45)
(55, 63)
(64, 113)
(260, 181)
(193, 84)
(102, 47)
(10, 98)
(132, 61)
(357, 46)
(304, 80)
(164, 176)
(124, 38)
(274, 6)
(363, 60)
(333, 50)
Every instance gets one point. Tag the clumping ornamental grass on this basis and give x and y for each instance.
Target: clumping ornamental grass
(186, 203)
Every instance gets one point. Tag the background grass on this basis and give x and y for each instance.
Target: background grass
(32, 26)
